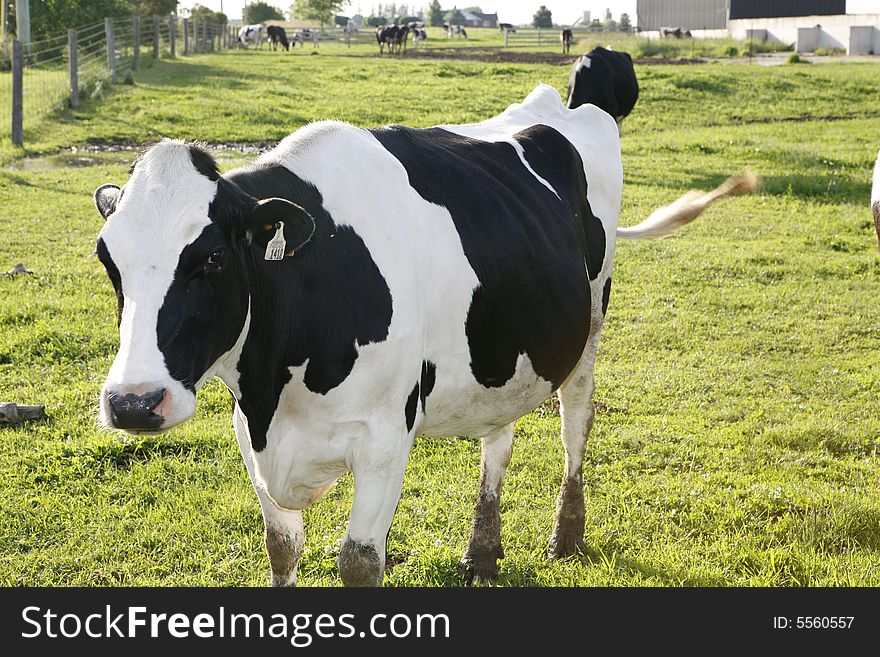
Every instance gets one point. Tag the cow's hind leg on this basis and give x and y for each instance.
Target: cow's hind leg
(480, 561)
(576, 408)
(284, 534)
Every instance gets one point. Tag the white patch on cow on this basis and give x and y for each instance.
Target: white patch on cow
(588, 63)
(163, 209)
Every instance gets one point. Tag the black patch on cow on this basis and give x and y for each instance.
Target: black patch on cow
(541, 147)
(525, 244)
(113, 274)
(609, 82)
(319, 305)
(606, 294)
(412, 403)
(204, 309)
(203, 162)
(427, 380)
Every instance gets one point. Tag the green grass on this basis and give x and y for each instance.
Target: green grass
(736, 442)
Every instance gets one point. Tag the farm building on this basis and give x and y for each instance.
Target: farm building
(475, 18)
(850, 25)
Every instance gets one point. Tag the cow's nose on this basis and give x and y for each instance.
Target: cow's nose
(135, 412)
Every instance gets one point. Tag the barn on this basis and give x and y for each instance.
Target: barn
(849, 25)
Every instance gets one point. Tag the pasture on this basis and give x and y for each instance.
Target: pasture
(737, 429)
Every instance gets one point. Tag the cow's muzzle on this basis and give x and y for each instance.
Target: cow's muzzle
(134, 412)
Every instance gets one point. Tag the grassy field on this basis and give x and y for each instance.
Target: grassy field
(737, 433)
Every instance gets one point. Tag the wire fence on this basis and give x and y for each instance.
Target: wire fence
(44, 76)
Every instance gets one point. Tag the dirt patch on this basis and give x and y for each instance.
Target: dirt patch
(495, 55)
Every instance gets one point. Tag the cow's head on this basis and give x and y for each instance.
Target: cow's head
(179, 245)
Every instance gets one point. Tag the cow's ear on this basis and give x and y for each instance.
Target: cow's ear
(105, 199)
(265, 215)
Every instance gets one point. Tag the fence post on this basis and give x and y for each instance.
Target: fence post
(156, 38)
(136, 56)
(172, 36)
(505, 36)
(111, 49)
(73, 68)
(539, 37)
(17, 84)
(185, 36)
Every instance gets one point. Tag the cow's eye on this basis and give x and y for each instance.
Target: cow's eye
(215, 260)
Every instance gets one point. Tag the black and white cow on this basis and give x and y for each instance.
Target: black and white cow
(440, 281)
(387, 35)
(566, 36)
(605, 78)
(251, 34)
(277, 37)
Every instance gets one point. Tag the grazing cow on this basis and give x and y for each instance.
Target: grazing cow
(277, 36)
(604, 78)
(355, 288)
(566, 37)
(251, 34)
(419, 34)
(875, 197)
(506, 26)
(667, 32)
(454, 31)
(302, 35)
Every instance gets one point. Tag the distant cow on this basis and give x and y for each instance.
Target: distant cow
(506, 26)
(566, 37)
(302, 35)
(251, 34)
(355, 289)
(277, 37)
(419, 34)
(455, 31)
(387, 35)
(676, 32)
(604, 78)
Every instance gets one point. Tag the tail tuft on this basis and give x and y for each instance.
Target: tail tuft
(666, 220)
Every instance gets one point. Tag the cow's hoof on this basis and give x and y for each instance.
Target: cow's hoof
(359, 564)
(565, 544)
(478, 567)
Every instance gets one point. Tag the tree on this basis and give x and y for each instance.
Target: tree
(595, 25)
(625, 25)
(208, 15)
(48, 19)
(435, 14)
(317, 10)
(341, 21)
(375, 21)
(609, 25)
(543, 17)
(257, 12)
(151, 7)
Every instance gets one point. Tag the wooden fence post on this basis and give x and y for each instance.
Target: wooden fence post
(505, 36)
(539, 37)
(136, 56)
(185, 36)
(156, 38)
(111, 49)
(17, 94)
(172, 36)
(73, 67)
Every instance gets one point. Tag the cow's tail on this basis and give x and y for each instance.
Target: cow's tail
(875, 198)
(668, 219)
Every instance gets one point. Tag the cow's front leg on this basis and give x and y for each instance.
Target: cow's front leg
(377, 486)
(284, 534)
(480, 560)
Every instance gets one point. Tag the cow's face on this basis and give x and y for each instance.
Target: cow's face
(177, 246)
